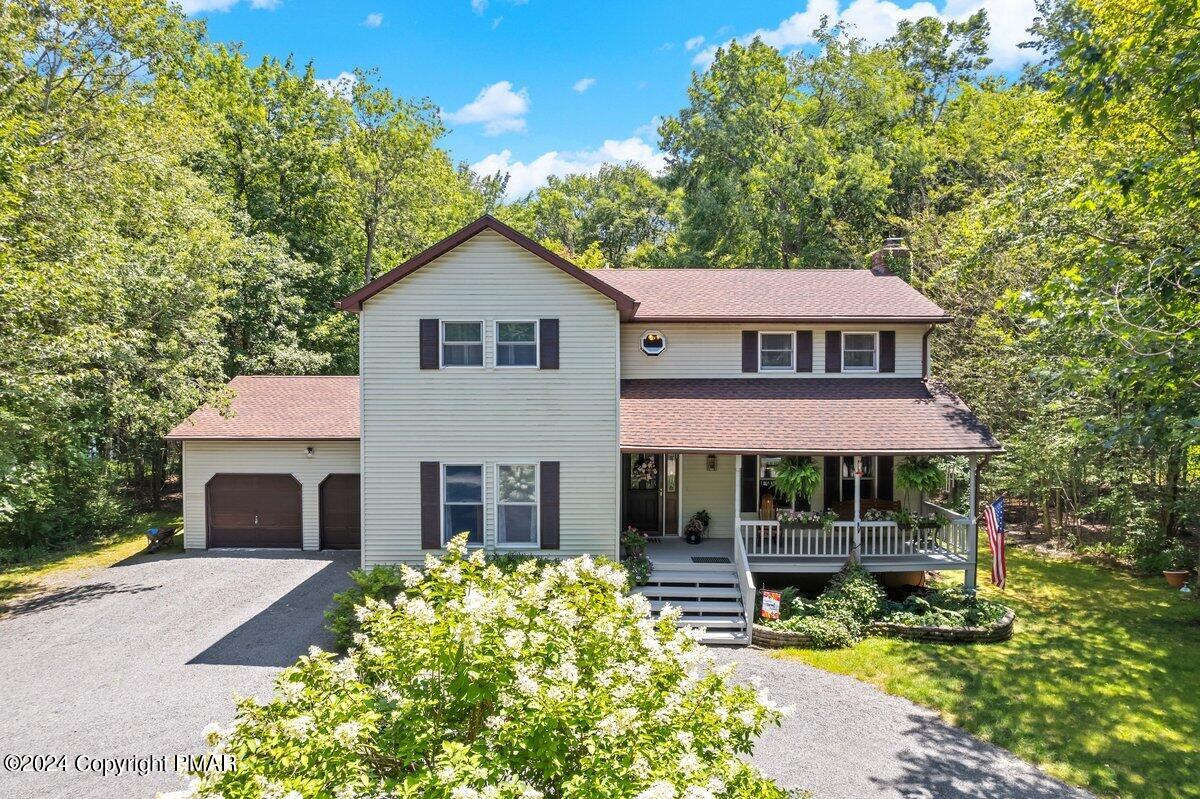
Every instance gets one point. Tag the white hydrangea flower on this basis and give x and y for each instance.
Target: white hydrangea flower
(697, 792)
(347, 733)
(685, 738)
(689, 763)
(361, 612)
(453, 573)
(421, 611)
(213, 734)
(298, 727)
(410, 577)
(514, 640)
(464, 792)
(659, 790)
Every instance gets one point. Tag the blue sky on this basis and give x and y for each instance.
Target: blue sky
(539, 87)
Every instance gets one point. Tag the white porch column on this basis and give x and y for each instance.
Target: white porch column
(972, 535)
(857, 552)
(737, 494)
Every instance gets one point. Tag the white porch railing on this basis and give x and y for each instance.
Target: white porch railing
(769, 539)
(745, 583)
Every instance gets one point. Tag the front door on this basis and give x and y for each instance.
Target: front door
(643, 491)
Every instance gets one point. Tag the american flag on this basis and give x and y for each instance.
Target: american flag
(993, 517)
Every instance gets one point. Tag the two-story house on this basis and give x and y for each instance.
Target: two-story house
(536, 406)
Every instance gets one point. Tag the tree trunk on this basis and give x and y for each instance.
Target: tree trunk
(370, 231)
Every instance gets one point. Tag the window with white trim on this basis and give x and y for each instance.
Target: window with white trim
(517, 504)
(860, 352)
(462, 343)
(462, 501)
(517, 343)
(776, 352)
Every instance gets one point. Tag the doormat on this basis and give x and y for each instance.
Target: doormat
(710, 559)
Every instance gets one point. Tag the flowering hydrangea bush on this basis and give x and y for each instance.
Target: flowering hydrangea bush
(479, 683)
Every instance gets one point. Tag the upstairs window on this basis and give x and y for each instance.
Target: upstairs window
(860, 352)
(776, 352)
(462, 343)
(462, 502)
(516, 344)
(517, 504)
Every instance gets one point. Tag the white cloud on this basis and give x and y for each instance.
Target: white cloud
(341, 86)
(479, 6)
(875, 20)
(269, 5)
(496, 22)
(692, 43)
(525, 177)
(583, 84)
(373, 20)
(498, 107)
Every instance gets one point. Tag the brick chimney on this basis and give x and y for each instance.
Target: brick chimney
(893, 258)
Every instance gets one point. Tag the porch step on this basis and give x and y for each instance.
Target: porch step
(725, 638)
(701, 607)
(689, 567)
(652, 591)
(713, 622)
(675, 577)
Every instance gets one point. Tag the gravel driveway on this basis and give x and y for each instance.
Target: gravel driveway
(848, 740)
(136, 659)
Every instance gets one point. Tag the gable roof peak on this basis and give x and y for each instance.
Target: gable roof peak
(354, 302)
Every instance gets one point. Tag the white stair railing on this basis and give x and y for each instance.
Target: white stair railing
(745, 583)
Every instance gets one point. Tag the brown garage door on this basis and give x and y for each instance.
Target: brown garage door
(340, 527)
(254, 510)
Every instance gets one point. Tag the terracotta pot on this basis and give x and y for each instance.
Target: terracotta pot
(1176, 578)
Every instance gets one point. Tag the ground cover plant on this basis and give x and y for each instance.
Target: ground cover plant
(547, 679)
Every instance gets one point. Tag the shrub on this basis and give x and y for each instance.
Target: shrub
(381, 583)
(479, 683)
(839, 617)
(639, 568)
(949, 607)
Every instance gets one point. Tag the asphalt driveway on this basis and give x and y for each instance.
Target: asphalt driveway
(848, 740)
(134, 661)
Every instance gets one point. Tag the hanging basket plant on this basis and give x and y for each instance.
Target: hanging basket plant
(796, 477)
(922, 474)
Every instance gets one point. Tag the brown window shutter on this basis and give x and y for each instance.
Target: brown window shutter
(431, 505)
(803, 350)
(833, 481)
(883, 477)
(833, 351)
(429, 344)
(749, 484)
(887, 350)
(548, 343)
(548, 520)
(749, 350)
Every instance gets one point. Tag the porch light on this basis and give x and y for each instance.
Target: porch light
(653, 342)
(711, 463)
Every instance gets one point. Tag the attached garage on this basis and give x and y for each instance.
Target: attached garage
(254, 510)
(340, 512)
(278, 468)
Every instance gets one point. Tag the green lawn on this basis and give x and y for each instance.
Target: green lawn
(43, 566)
(1100, 685)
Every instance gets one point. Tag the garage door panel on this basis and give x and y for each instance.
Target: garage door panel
(254, 510)
(340, 512)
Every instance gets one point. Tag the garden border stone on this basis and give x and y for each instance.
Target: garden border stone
(1002, 630)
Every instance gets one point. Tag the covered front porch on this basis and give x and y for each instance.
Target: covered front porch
(715, 446)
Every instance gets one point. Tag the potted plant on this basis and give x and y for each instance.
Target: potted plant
(800, 519)
(633, 543)
(696, 528)
(795, 477)
(922, 474)
(1179, 560)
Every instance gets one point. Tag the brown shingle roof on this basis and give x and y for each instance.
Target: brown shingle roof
(804, 415)
(280, 408)
(771, 294)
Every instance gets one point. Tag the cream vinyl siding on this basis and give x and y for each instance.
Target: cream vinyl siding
(710, 491)
(203, 459)
(704, 349)
(487, 415)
